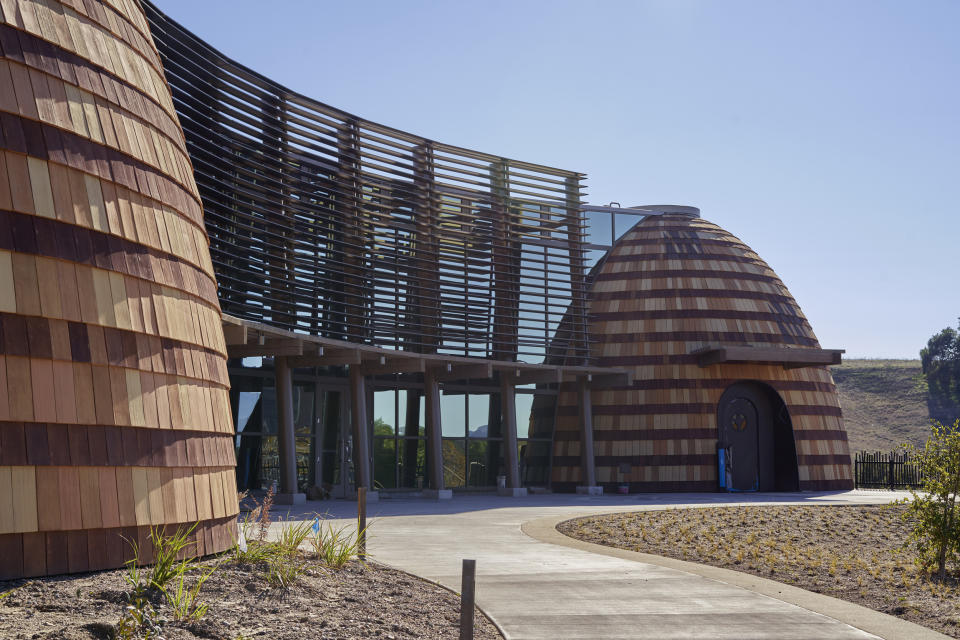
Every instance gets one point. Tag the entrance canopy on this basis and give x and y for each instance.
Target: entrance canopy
(246, 338)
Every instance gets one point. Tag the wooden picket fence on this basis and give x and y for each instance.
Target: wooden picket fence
(880, 470)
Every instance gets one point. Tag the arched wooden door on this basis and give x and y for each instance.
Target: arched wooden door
(740, 424)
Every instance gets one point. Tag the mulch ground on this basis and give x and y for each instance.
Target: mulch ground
(358, 601)
(852, 553)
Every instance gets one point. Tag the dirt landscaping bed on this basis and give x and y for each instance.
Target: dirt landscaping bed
(357, 601)
(852, 553)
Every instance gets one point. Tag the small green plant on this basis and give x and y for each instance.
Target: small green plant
(283, 570)
(934, 510)
(183, 599)
(335, 546)
(168, 551)
(139, 619)
(247, 549)
(292, 536)
(6, 594)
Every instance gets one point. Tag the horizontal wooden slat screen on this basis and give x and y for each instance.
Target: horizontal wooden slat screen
(324, 223)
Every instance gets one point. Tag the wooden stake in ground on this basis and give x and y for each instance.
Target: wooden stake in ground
(362, 523)
(467, 593)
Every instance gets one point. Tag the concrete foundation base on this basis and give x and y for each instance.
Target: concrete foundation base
(590, 491)
(290, 498)
(372, 496)
(438, 494)
(517, 492)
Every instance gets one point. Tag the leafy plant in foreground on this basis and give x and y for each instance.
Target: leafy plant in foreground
(934, 509)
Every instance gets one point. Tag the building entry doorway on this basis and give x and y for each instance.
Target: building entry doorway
(756, 433)
(740, 418)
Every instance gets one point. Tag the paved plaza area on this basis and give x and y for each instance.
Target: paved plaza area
(535, 583)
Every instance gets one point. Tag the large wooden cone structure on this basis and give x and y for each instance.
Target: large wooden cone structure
(114, 409)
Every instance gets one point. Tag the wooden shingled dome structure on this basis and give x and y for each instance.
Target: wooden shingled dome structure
(722, 357)
(114, 408)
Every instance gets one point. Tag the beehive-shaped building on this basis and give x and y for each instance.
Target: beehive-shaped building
(114, 409)
(722, 358)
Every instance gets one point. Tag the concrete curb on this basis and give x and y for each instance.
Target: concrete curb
(879, 624)
(496, 625)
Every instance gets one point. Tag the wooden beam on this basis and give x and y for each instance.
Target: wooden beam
(394, 365)
(508, 422)
(434, 430)
(602, 380)
(789, 358)
(359, 426)
(532, 376)
(464, 372)
(283, 347)
(286, 440)
(235, 334)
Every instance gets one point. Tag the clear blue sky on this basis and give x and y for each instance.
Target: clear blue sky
(825, 134)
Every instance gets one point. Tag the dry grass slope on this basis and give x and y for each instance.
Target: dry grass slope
(884, 403)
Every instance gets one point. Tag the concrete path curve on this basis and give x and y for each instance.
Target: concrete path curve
(533, 587)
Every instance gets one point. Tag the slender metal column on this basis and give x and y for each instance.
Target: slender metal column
(587, 461)
(358, 419)
(286, 439)
(434, 430)
(508, 405)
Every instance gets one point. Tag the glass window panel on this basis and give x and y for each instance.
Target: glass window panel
(534, 462)
(269, 461)
(384, 463)
(599, 228)
(384, 412)
(542, 415)
(453, 415)
(303, 409)
(331, 420)
(412, 423)
(248, 462)
(480, 471)
(268, 410)
(478, 420)
(524, 404)
(305, 466)
(412, 463)
(248, 403)
(454, 463)
(624, 222)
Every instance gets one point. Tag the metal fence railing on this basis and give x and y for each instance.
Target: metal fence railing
(879, 470)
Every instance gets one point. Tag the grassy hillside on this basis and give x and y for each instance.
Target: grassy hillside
(884, 403)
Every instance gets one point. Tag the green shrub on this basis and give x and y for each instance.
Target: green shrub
(934, 510)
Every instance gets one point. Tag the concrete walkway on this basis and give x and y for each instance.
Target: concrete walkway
(533, 587)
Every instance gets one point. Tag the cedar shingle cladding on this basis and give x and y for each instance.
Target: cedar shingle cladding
(669, 286)
(114, 408)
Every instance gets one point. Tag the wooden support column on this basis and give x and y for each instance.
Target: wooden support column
(286, 440)
(508, 407)
(434, 430)
(358, 421)
(587, 460)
